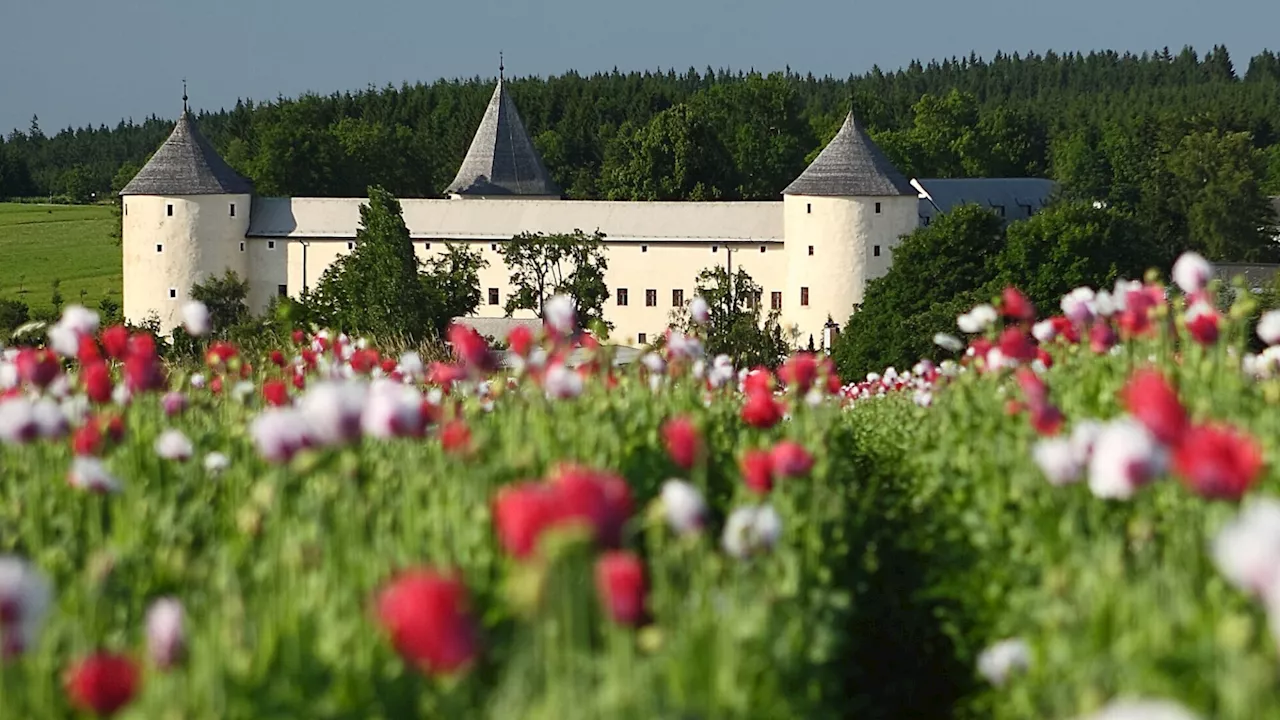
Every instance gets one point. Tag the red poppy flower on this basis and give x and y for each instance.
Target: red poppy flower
(97, 382)
(799, 372)
(102, 683)
(1217, 462)
(761, 410)
(621, 583)
(682, 441)
(455, 437)
(1016, 306)
(1203, 327)
(427, 616)
(115, 341)
(37, 367)
(1101, 337)
(757, 470)
(1016, 344)
(471, 348)
(790, 459)
(520, 340)
(520, 514)
(1152, 400)
(275, 392)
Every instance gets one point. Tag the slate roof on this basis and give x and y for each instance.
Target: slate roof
(851, 165)
(186, 164)
(502, 159)
(1011, 198)
(1256, 275)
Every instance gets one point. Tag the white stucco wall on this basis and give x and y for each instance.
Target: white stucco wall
(843, 233)
(635, 266)
(269, 263)
(201, 239)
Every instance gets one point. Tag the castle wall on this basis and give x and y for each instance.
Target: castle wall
(170, 244)
(635, 267)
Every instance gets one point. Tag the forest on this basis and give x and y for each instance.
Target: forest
(1095, 122)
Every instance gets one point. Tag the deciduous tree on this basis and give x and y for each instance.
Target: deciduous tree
(571, 264)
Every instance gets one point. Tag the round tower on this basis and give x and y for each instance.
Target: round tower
(841, 220)
(185, 217)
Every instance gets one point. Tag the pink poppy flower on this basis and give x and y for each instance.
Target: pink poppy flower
(426, 614)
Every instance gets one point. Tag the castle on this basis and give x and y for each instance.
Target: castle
(187, 215)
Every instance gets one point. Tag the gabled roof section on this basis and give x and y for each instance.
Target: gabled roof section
(502, 159)
(186, 164)
(851, 165)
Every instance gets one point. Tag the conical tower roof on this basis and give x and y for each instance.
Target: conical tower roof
(851, 165)
(186, 164)
(502, 159)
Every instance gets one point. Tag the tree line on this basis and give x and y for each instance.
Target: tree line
(708, 134)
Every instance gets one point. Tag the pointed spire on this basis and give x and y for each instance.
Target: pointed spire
(851, 165)
(184, 96)
(502, 159)
(186, 164)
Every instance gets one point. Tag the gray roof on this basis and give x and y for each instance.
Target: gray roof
(186, 164)
(851, 165)
(498, 328)
(1256, 275)
(502, 159)
(1011, 198)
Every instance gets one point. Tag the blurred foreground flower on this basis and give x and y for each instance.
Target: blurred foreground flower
(166, 634)
(25, 594)
(621, 583)
(103, 683)
(1002, 659)
(426, 614)
(683, 506)
(750, 530)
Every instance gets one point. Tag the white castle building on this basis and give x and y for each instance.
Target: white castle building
(188, 216)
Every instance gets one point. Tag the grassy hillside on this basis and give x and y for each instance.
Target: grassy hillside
(43, 243)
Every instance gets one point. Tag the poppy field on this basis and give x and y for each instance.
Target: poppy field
(1075, 516)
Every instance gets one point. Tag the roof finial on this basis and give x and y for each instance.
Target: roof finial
(184, 96)
(501, 67)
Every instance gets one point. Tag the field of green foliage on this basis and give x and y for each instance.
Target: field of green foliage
(1075, 518)
(69, 243)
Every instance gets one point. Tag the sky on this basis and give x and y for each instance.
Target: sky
(89, 62)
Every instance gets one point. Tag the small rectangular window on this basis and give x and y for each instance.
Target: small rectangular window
(876, 251)
(761, 248)
(168, 210)
(642, 338)
(241, 247)
(282, 290)
(714, 248)
(493, 246)
(271, 244)
(808, 208)
(804, 297)
(810, 249)
(426, 246)
(233, 209)
(351, 246)
(159, 248)
(877, 208)
(651, 298)
(677, 298)
(126, 208)
(775, 300)
(926, 220)
(622, 296)
(644, 248)
(173, 293)
(493, 296)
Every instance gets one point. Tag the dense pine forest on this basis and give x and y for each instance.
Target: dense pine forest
(1109, 125)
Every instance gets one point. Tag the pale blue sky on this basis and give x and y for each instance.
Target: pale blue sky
(77, 62)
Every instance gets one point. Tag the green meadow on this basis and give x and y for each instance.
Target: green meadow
(70, 243)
